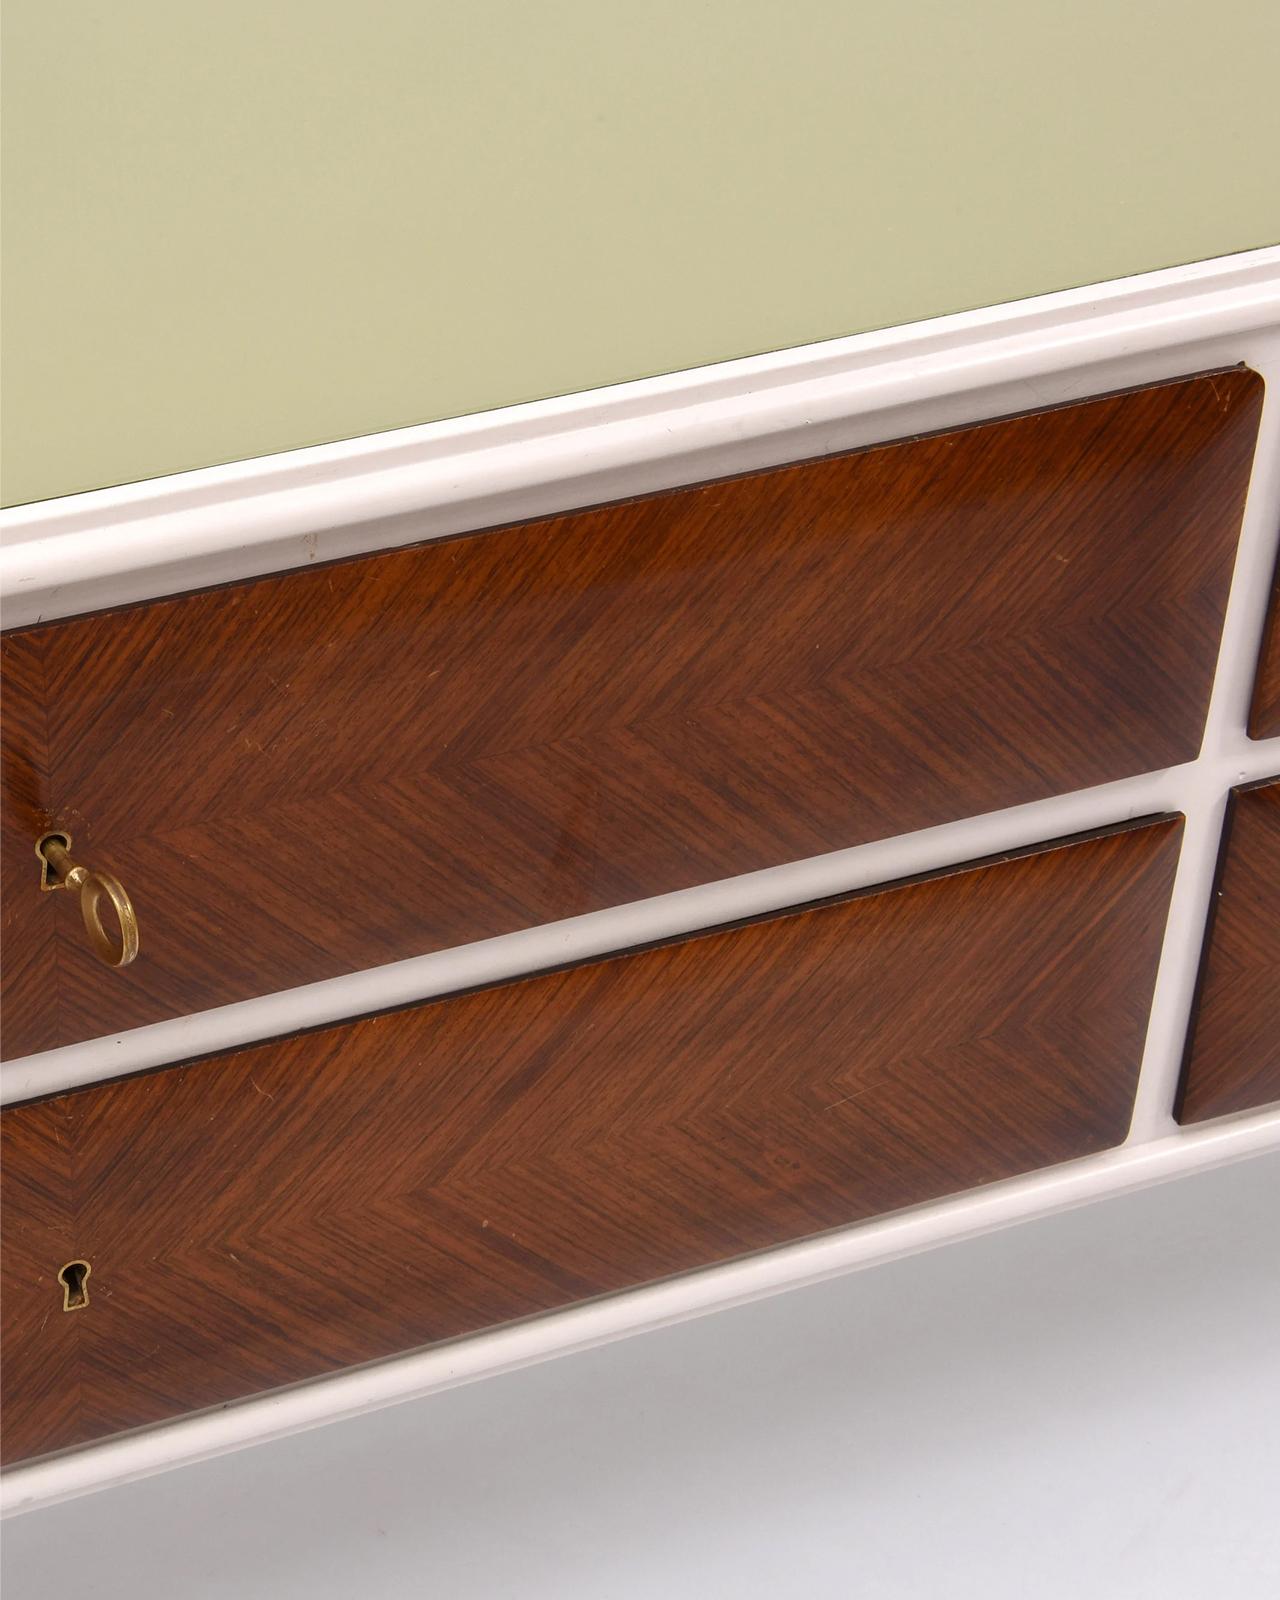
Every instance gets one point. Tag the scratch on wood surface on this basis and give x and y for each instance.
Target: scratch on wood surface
(856, 1095)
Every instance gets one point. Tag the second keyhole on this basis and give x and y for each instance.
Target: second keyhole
(74, 1278)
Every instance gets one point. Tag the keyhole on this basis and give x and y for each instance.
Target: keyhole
(74, 1278)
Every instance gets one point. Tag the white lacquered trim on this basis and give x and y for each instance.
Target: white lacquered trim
(354, 1393)
(1225, 752)
(1127, 319)
(365, 494)
(113, 546)
(1194, 788)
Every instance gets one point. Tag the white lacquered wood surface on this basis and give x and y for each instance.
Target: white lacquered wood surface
(1087, 1405)
(157, 537)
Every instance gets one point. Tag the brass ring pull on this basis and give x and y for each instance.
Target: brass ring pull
(59, 871)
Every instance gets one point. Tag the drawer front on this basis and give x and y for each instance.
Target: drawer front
(1233, 1048)
(1264, 717)
(280, 1212)
(341, 767)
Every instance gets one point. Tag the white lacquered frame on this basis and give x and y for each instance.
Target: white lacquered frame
(89, 551)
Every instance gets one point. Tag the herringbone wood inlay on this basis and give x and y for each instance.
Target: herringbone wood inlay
(29, 966)
(1233, 1049)
(279, 1212)
(1264, 717)
(343, 766)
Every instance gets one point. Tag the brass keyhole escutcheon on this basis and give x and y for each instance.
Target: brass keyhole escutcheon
(59, 871)
(74, 1278)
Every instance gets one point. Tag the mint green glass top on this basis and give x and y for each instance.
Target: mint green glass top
(242, 227)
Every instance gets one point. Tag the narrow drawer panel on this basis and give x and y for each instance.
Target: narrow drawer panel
(1233, 1050)
(1264, 718)
(593, 709)
(284, 1211)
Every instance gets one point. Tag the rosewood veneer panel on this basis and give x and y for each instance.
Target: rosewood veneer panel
(280, 1212)
(343, 766)
(1264, 718)
(1233, 1052)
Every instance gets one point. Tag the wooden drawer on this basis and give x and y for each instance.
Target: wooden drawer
(1233, 1048)
(597, 708)
(284, 1211)
(1264, 717)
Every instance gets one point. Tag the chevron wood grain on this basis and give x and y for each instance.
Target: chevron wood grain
(533, 723)
(280, 1212)
(29, 965)
(1233, 1047)
(1264, 716)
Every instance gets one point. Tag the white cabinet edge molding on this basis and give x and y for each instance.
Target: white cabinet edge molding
(114, 546)
(1198, 789)
(121, 545)
(353, 1393)
(229, 522)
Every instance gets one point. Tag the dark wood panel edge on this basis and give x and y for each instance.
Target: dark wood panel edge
(1253, 393)
(1206, 944)
(24, 795)
(442, 1345)
(1265, 701)
(1040, 847)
